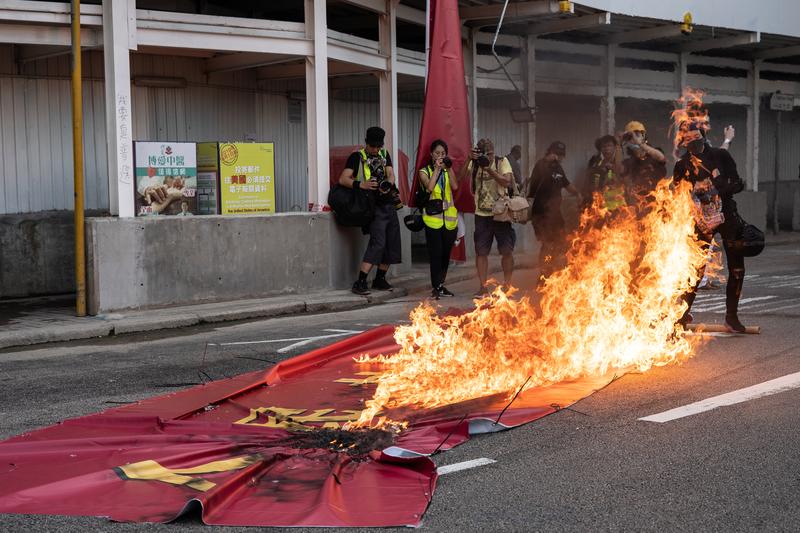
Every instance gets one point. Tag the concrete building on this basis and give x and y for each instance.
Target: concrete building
(313, 74)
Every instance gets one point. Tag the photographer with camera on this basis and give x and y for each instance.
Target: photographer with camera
(645, 165)
(491, 176)
(439, 214)
(544, 194)
(371, 169)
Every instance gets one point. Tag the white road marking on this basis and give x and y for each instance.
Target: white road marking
(773, 386)
(782, 308)
(743, 302)
(449, 469)
(297, 341)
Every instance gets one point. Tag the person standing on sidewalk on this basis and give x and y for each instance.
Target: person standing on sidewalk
(490, 177)
(371, 168)
(440, 215)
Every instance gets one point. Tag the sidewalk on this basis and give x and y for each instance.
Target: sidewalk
(32, 321)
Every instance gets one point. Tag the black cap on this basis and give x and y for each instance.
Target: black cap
(558, 148)
(375, 136)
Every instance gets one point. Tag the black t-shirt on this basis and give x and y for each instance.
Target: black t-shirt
(547, 180)
(714, 163)
(645, 173)
(354, 161)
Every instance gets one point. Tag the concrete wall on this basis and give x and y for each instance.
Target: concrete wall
(36, 252)
(151, 262)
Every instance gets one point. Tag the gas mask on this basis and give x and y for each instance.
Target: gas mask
(696, 146)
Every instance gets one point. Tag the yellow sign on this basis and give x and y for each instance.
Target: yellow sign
(247, 178)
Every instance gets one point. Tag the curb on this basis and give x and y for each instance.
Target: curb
(161, 319)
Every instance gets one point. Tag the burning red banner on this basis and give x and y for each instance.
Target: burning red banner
(445, 114)
(260, 449)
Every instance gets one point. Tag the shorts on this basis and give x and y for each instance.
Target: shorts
(487, 230)
(548, 228)
(384, 246)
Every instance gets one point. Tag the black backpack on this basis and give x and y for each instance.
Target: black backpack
(351, 207)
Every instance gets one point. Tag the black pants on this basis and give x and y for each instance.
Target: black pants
(440, 243)
(384, 237)
(549, 232)
(731, 229)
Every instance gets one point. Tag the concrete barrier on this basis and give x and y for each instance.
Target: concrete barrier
(36, 254)
(136, 263)
(752, 206)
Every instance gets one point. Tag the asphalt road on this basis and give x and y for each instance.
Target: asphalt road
(596, 467)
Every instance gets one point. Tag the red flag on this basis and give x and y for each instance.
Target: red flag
(445, 114)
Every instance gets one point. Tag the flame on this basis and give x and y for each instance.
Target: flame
(689, 109)
(614, 306)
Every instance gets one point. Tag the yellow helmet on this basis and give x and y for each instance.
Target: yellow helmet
(634, 125)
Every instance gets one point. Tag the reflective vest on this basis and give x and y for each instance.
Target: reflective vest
(364, 172)
(449, 217)
(613, 190)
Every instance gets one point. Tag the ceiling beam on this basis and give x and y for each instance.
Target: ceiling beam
(517, 10)
(644, 34)
(47, 35)
(244, 60)
(569, 24)
(775, 53)
(409, 14)
(376, 6)
(724, 42)
(298, 70)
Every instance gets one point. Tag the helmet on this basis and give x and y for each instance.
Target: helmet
(414, 222)
(634, 125)
(749, 244)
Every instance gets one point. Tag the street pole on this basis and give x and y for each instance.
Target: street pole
(777, 173)
(77, 157)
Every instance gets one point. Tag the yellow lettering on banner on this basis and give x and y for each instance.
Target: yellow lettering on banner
(280, 417)
(153, 471)
(371, 379)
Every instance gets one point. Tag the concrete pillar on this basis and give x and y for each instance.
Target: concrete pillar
(119, 23)
(682, 70)
(473, 78)
(316, 22)
(529, 131)
(387, 81)
(608, 104)
(753, 121)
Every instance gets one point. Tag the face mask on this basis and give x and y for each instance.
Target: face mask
(696, 146)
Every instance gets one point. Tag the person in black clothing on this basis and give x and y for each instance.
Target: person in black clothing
(544, 194)
(645, 166)
(712, 172)
(371, 168)
(604, 174)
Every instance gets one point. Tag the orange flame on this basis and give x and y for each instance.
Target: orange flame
(689, 109)
(614, 306)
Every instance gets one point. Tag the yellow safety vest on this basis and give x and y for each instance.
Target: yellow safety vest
(613, 191)
(364, 173)
(449, 217)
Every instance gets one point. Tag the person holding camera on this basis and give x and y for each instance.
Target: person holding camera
(491, 176)
(544, 194)
(714, 178)
(371, 169)
(645, 165)
(439, 214)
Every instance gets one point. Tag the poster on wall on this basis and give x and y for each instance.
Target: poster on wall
(166, 178)
(207, 177)
(247, 178)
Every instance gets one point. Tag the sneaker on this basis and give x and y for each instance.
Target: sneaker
(436, 294)
(360, 288)
(480, 293)
(380, 284)
(445, 292)
(733, 324)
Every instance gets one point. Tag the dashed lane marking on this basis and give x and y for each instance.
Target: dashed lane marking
(773, 386)
(457, 467)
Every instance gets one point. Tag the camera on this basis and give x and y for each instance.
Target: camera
(483, 159)
(447, 162)
(389, 194)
